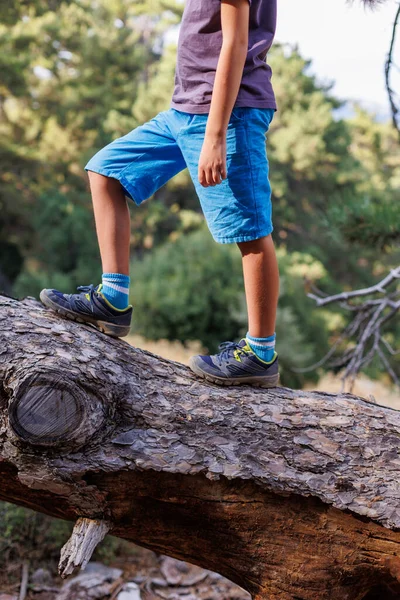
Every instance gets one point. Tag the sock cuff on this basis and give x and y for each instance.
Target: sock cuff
(263, 348)
(115, 283)
(116, 278)
(261, 341)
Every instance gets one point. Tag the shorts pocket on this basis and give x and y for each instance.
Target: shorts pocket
(237, 114)
(263, 116)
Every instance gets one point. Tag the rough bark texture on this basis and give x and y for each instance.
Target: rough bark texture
(290, 494)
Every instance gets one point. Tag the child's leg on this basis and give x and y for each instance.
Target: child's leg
(253, 360)
(239, 210)
(261, 280)
(112, 219)
(133, 166)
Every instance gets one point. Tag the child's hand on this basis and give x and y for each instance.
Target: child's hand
(212, 161)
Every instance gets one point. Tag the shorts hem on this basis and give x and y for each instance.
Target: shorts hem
(128, 187)
(134, 194)
(242, 238)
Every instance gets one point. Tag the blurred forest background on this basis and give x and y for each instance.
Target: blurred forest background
(76, 75)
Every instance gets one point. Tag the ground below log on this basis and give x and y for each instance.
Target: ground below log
(143, 575)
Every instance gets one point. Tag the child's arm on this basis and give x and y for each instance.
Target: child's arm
(235, 33)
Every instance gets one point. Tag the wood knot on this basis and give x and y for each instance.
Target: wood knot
(51, 410)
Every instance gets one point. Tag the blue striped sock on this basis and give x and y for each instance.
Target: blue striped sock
(264, 348)
(116, 289)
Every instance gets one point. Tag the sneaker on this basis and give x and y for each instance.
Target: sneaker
(90, 306)
(235, 365)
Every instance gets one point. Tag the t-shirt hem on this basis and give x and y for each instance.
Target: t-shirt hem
(205, 108)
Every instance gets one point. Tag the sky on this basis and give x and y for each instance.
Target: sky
(347, 44)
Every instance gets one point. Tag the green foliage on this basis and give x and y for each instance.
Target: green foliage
(192, 289)
(334, 182)
(371, 216)
(372, 221)
(65, 245)
(27, 534)
(299, 317)
(66, 92)
(158, 85)
(155, 223)
(188, 290)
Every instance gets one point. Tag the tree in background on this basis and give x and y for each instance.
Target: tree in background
(65, 92)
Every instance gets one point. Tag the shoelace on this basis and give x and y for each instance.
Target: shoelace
(87, 289)
(227, 348)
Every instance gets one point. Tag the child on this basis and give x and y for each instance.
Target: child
(221, 108)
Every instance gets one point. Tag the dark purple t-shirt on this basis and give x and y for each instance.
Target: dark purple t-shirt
(199, 47)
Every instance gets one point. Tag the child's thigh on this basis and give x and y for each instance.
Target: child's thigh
(143, 160)
(239, 208)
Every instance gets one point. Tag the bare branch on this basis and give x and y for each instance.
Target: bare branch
(364, 333)
(388, 367)
(389, 347)
(369, 3)
(379, 287)
(347, 333)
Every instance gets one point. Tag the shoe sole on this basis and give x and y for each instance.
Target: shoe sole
(110, 329)
(267, 381)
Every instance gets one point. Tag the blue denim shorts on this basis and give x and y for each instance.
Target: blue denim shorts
(236, 210)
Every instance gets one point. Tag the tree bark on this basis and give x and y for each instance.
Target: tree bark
(290, 494)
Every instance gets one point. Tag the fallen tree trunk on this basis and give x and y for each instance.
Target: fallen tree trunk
(290, 494)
